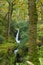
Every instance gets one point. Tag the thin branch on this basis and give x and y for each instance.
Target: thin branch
(6, 15)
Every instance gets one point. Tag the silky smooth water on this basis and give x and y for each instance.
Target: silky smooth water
(17, 36)
(15, 51)
(17, 64)
(18, 41)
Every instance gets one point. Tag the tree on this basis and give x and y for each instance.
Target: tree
(41, 7)
(33, 51)
(8, 16)
(10, 10)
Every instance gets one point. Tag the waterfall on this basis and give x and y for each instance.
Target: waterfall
(15, 51)
(18, 41)
(17, 64)
(17, 37)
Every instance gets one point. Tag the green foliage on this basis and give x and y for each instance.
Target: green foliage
(19, 18)
(1, 39)
(13, 26)
(23, 31)
(41, 51)
(7, 53)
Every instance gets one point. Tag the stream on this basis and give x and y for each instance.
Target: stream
(18, 42)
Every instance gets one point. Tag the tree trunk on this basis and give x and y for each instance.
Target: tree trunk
(41, 12)
(33, 51)
(10, 10)
(9, 20)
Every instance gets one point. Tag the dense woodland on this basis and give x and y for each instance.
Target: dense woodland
(21, 29)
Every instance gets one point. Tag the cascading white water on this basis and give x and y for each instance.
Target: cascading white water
(17, 36)
(17, 64)
(18, 41)
(15, 51)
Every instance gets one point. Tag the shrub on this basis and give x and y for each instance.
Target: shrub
(41, 51)
(1, 39)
